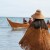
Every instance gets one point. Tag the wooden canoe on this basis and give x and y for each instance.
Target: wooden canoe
(48, 25)
(16, 25)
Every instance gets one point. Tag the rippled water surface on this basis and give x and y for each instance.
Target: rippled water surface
(9, 40)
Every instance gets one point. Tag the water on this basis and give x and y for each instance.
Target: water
(9, 40)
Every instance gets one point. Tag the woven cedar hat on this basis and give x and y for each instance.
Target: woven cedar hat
(37, 15)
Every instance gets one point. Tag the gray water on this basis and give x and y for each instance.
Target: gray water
(9, 40)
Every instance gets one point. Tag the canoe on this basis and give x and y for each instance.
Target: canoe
(48, 25)
(16, 25)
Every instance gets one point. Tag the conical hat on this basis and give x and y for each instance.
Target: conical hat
(37, 15)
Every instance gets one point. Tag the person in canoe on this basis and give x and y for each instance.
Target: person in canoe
(48, 22)
(30, 20)
(24, 21)
(37, 36)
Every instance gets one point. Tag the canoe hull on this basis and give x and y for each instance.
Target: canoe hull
(16, 25)
(48, 25)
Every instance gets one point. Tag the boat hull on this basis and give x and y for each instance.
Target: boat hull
(16, 25)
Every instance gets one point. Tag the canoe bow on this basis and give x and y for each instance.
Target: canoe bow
(16, 25)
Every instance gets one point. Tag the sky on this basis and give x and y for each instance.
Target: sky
(23, 8)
